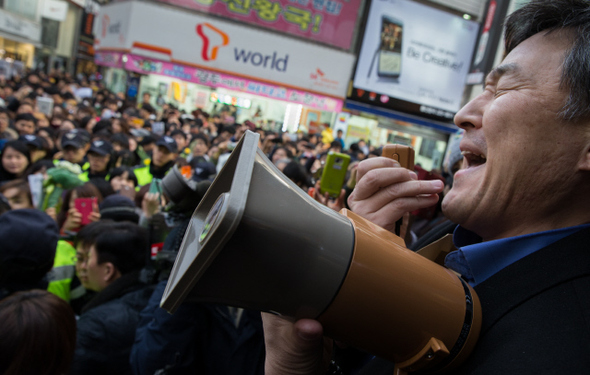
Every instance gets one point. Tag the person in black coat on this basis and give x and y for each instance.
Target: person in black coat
(106, 328)
(199, 338)
(521, 199)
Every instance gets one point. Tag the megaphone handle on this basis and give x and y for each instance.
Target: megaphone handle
(405, 156)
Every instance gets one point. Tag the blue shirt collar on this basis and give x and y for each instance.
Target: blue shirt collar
(476, 261)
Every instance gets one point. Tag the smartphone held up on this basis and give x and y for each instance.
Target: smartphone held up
(334, 174)
(85, 206)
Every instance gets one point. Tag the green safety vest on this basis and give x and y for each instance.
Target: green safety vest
(63, 271)
(84, 176)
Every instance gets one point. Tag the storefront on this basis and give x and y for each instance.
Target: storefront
(18, 39)
(270, 78)
(85, 49)
(429, 144)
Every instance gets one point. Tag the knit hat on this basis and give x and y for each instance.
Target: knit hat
(118, 208)
(26, 258)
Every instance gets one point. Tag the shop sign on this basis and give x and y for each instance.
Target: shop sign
(111, 59)
(87, 25)
(55, 10)
(20, 27)
(414, 59)
(144, 65)
(487, 45)
(227, 48)
(327, 21)
(24, 8)
(80, 3)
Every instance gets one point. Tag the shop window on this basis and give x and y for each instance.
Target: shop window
(427, 147)
(49, 32)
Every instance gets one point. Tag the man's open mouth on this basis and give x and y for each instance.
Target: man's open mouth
(473, 159)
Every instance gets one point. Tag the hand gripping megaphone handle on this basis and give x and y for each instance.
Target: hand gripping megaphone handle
(405, 156)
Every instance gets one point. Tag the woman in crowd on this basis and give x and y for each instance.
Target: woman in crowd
(14, 161)
(18, 194)
(48, 134)
(122, 177)
(280, 153)
(69, 218)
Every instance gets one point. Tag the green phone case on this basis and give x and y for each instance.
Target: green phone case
(334, 174)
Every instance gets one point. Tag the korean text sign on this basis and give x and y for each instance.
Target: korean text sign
(327, 21)
(212, 79)
(199, 41)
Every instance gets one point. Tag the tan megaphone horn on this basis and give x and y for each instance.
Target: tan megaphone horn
(258, 241)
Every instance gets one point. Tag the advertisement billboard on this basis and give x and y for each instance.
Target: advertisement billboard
(326, 21)
(227, 48)
(414, 59)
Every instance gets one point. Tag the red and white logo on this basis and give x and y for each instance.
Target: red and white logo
(210, 50)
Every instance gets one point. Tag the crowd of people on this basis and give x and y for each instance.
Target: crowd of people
(89, 237)
(90, 171)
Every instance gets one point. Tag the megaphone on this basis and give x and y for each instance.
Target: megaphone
(258, 241)
(183, 193)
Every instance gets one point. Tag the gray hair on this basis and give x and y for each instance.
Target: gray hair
(553, 15)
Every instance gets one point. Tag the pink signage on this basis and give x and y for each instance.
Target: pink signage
(112, 59)
(327, 21)
(143, 65)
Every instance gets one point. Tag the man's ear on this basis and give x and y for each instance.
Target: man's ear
(584, 163)
(110, 272)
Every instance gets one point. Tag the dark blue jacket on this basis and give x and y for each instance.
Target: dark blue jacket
(197, 339)
(106, 328)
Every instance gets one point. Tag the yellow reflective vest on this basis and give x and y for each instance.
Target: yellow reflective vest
(63, 271)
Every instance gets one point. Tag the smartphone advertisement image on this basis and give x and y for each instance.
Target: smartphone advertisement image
(390, 49)
(414, 59)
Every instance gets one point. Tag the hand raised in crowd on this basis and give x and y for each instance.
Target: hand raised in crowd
(94, 216)
(51, 212)
(295, 348)
(73, 220)
(335, 204)
(150, 204)
(21, 93)
(384, 192)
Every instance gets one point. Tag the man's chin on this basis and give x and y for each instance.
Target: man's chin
(452, 207)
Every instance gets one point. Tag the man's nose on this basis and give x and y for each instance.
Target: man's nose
(470, 116)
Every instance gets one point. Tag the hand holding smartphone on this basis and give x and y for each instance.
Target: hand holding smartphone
(85, 206)
(156, 187)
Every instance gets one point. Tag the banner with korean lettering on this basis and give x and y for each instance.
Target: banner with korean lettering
(327, 21)
(204, 77)
(192, 39)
